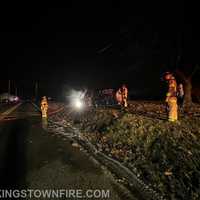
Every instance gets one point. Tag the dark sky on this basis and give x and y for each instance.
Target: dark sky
(93, 44)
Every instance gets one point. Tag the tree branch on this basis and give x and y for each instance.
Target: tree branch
(194, 71)
(181, 75)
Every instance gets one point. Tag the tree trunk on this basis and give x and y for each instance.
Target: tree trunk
(188, 95)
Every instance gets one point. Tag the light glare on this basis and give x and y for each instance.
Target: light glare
(78, 104)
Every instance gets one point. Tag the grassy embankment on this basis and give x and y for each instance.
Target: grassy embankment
(164, 155)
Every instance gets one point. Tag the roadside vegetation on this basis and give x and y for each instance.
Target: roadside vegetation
(164, 155)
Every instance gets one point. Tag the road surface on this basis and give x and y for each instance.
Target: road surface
(4, 107)
(32, 158)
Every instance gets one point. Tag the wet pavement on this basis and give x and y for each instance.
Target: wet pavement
(32, 158)
(4, 107)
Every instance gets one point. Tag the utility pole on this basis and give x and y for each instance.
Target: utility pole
(15, 91)
(9, 88)
(36, 90)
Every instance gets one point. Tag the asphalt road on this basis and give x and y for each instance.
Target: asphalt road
(4, 107)
(32, 158)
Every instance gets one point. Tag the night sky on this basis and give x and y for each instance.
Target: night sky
(94, 45)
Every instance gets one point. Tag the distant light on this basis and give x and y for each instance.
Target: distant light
(16, 98)
(13, 98)
(78, 104)
(76, 99)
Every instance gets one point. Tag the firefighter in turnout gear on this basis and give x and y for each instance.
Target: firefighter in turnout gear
(171, 97)
(118, 96)
(124, 95)
(44, 107)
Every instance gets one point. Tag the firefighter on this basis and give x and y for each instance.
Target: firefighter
(124, 95)
(118, 96)
(171, 97)
(180, 94)
(44, 107)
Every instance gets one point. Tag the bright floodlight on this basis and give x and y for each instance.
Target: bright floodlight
(76, 99)
(78, 104)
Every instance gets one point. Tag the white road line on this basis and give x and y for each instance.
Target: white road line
(7, 112)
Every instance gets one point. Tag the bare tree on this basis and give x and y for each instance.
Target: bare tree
(186, 78)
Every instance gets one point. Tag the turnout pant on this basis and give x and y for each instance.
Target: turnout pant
(173, 109)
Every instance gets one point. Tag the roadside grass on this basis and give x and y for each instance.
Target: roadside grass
(164, 155)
